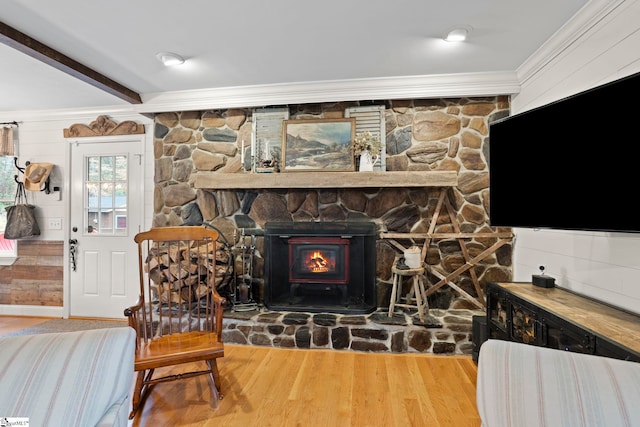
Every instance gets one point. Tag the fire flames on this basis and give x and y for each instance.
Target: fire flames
(317, 262)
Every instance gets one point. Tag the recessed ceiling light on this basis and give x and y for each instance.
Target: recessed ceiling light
(457, 34)
(169, 59)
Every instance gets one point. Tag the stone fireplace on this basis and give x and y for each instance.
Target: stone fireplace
(422, 135)
(320, 267)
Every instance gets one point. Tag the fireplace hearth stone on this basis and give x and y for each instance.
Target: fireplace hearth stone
(444, 332)
(346, 288)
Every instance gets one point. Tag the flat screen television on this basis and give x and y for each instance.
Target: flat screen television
(573, 164)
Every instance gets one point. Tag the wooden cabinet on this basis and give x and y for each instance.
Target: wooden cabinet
(562, 335)
(560, 319)
(524, 323)
(498, 321)
(510, 318)
(605, 347)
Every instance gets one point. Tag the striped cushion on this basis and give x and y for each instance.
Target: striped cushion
(521, 385)
(79, 378)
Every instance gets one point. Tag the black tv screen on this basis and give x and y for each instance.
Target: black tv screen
(573, 164)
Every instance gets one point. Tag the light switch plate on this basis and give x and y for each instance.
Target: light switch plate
(55, 224)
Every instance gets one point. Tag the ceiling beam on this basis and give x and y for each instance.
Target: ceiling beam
(25, 44)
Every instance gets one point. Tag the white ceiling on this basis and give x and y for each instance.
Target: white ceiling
(257, 42)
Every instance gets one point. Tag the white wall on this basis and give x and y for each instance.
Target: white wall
(43, 141)
(602, 265)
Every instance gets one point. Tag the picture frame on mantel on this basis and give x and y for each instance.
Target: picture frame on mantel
(318, 145)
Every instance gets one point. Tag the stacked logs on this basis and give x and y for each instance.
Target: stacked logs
(181, 271)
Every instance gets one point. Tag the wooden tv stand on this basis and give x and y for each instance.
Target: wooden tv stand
(558, 318)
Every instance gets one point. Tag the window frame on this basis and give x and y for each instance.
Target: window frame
(7, 256)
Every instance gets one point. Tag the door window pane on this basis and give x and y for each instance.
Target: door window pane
(121, 168)
(107, 191)
(106, 167)
(92, 194)
(106, 195)
(93, 169)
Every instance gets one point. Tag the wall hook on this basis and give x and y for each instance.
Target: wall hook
(46, 188)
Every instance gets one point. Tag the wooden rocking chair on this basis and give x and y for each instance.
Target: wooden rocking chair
(178, 316)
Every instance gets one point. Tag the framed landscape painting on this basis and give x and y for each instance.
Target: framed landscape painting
(318, 145)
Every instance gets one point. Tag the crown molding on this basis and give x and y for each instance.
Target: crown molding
(77, 114)
(580, 24)
(413, 87)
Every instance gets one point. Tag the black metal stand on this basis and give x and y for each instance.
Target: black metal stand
(243, 251)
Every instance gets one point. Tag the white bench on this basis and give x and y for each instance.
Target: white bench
(69, 378)
(522, 385)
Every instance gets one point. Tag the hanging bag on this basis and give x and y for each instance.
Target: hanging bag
(21, 219)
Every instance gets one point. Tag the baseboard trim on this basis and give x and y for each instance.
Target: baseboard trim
(31, 310)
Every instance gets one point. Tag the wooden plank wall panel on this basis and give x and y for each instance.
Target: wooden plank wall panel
(36, 277)
(40, 248)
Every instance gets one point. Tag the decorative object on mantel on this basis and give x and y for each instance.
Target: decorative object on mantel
(367, 161)
(263, 157)
(266, 139)
(317, 145)
(371, 118)
(367, 147)
(103, 126)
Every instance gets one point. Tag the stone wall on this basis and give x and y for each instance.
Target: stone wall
(432, 134)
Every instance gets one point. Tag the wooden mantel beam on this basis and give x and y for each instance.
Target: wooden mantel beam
(25, 44)
(284, 180)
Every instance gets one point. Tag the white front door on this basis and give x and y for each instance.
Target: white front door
(106, 212)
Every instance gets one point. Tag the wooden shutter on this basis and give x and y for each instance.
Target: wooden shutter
(371, 118)
(267, 129)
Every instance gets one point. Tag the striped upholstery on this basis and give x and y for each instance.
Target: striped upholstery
(521, 385)
(68, 379)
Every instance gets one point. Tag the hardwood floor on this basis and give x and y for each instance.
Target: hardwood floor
(266, 386)
(10, 323)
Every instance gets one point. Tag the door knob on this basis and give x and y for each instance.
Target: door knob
(73, 244)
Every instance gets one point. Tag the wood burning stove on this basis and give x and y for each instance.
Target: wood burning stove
(320, 266)
(322, 262)
(318, 260)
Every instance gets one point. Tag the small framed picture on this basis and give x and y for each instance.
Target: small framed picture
(318, 145)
